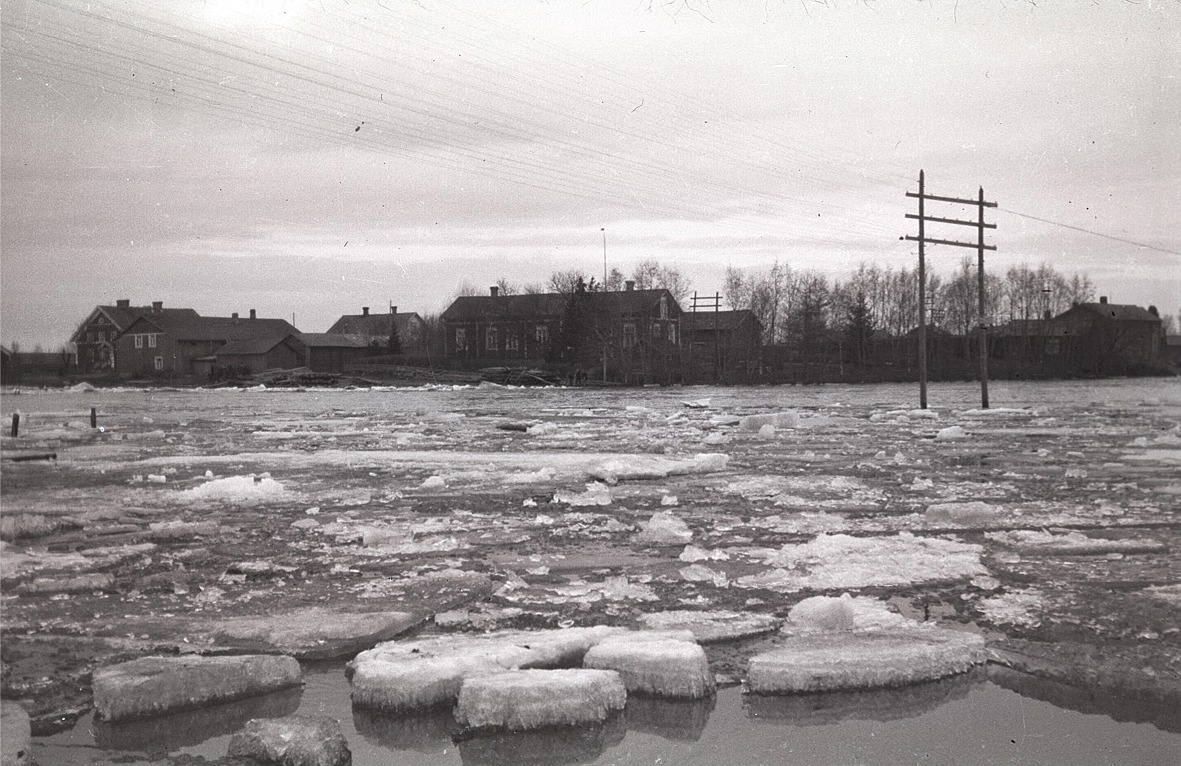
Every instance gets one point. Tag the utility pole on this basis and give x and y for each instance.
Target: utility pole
(980, 247)
(604, 230)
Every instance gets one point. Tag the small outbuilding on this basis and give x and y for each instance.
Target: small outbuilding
(332, 352)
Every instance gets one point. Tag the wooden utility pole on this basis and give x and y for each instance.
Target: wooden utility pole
(980, 247)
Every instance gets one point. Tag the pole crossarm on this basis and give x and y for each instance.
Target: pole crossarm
(955, 200)
(953, 243)
(957, 221)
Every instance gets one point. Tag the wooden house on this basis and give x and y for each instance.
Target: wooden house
(624, 336)
(1107, 334)
(331, 352)
(374, 329)
(171, 345)
(94, 340)
(250, 356)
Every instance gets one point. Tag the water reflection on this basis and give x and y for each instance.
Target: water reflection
(821, 708)
(548, 747)
(172, 732)
(681, 720)
(428, 732)
(1164, 714)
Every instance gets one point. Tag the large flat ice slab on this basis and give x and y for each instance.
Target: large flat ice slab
(663, 667)
(843, 561)
(152, 686)
(828, 661)
(399, 675)
(531, 699)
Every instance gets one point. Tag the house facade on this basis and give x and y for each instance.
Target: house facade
(1105, 335)
(171, 345)
(94, 340)
(374, 328)
(623, 336)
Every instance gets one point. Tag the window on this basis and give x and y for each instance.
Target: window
(664, 307)
(460, 338)
(151, 341)
(1052, 347)
(139, 341)
(511, 343)
(672, 334)
(491, 341)
(159, 363)
(541, 334)
(629, 334)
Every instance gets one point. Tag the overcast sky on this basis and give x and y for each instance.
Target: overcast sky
(311, 159)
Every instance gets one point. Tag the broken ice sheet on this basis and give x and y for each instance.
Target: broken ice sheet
(841, 561)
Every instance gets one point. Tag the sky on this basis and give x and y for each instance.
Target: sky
(308, 159)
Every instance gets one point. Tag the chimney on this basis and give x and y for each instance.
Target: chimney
(252, 314)
(364, 311)
(123, 303)
(157, 305)
(1103, 299)
(1046, 315)
(493, 290)
(393, 309)
(630, 285)
(234, 316)
(1154, 311)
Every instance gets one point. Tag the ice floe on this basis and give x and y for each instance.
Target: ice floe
(532, 699)
(656, 665)
(841, 561)
(234, 489)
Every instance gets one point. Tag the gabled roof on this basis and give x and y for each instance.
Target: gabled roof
(121, 317)
(372, 325)
(199, 328)
(253, 346)
(631, 301)
(1119, 312)
(551, 305)
(526, 306)
(332, 340)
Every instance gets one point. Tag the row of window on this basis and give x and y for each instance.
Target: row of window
(151, 339)
(541, 335)
(492, 338)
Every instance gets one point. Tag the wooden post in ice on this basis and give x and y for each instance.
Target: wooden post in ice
(94, 417)
(16, 424)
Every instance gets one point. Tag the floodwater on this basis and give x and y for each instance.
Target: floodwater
(1087, 437)
(979, 718)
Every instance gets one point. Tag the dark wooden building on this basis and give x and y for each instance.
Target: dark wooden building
(94, 340)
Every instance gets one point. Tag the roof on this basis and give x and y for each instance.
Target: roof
(1120, 312)
(528, 305)
(372, 325)
(332, 340)
(550, 305)
(199, 328)
(252, 346)
(714, 320)
(122, 317)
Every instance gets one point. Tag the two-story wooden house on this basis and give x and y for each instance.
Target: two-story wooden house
(94, 340)
(623, 336)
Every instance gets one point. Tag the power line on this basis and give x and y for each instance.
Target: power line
(1092, 232)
